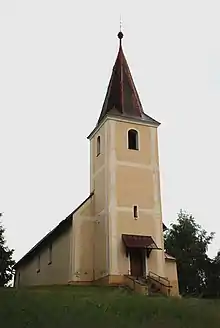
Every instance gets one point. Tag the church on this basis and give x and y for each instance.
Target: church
(116, 235)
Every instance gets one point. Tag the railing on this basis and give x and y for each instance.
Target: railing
(162, 280)
(162, 284)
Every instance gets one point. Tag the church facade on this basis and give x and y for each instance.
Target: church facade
(116, 235)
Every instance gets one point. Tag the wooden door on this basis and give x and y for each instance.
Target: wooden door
(136, 259)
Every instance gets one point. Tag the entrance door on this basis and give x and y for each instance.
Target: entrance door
(136, 259)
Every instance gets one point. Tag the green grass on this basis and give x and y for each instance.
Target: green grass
(82, 307)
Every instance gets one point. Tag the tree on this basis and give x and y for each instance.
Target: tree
(188, 243)
(213, 278)
(217, 258)
(6, 261)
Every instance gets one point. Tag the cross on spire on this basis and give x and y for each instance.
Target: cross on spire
(120, 34)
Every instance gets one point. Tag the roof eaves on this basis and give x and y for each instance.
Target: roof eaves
(76, 209)
(42, 241)
(149, 121)
(120, 117)
(98, 126)
(169, 257)
(164, 227)
(67, 220)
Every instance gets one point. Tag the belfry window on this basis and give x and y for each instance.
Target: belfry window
(133, 139)
(98, 149)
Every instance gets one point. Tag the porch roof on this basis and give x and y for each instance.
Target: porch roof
(138, 241)
(169, 257)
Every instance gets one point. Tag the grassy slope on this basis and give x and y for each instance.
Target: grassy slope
(82, 307)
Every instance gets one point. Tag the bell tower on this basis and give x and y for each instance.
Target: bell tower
(125, 180)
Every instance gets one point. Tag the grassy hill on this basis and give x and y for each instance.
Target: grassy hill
(82, 307)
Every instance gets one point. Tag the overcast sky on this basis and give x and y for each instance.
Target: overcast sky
(56, 59)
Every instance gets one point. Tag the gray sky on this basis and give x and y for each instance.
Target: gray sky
(56, 59)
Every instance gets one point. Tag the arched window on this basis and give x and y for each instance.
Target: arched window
(98, 149)
(133, 139)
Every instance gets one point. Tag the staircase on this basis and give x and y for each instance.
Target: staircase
(158, 284)
(153, 284)
(136, 284)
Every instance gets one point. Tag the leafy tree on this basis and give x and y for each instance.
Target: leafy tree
(213, 278)
(188, 243)
(6, 261)
(217, 258)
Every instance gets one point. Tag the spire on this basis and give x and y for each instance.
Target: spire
(122, 98)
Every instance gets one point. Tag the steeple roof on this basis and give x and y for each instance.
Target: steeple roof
(122, 98)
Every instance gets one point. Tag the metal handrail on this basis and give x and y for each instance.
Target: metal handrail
(159, 279)
(135, 281)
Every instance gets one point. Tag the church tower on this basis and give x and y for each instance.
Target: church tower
(128, 236)
(115, 236)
